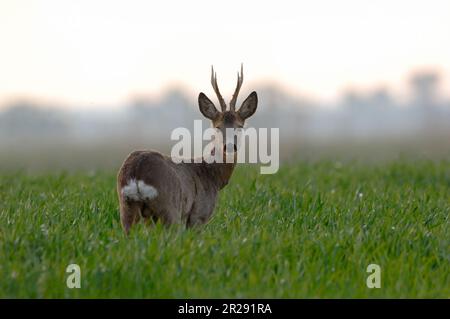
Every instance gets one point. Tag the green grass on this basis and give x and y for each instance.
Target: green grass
(308, 231)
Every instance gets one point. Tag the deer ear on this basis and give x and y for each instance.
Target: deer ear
(248, 107)
(207, 107)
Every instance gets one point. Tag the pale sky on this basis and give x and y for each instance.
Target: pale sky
(90, 53)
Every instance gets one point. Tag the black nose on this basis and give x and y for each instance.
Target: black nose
(229, 148)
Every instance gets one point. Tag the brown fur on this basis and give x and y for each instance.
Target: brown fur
(187, 192)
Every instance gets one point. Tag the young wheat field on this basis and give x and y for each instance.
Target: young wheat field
(309, 231)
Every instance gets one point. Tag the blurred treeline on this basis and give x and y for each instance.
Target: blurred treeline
(373, 125)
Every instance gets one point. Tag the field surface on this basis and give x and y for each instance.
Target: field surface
(308, 231)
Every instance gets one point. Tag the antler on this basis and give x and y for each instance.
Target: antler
(240, 79)
(223, 105)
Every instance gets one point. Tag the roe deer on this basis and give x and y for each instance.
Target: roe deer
(152, 187)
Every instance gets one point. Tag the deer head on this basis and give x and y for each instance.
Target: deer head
(228, 119)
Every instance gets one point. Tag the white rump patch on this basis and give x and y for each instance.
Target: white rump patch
(147, 191)
(130, 190)
(139, 191)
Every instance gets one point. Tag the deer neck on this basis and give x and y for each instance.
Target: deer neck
(219, 173)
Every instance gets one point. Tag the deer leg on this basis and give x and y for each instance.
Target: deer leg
(169, 217)
(192, 222)
(196, 220)
(129, 215)
(149, 217)
(199, 215)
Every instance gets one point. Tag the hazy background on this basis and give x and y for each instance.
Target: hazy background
(82, 83)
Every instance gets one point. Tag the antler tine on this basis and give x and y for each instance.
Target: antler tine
(240, 80)
(223, 105)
